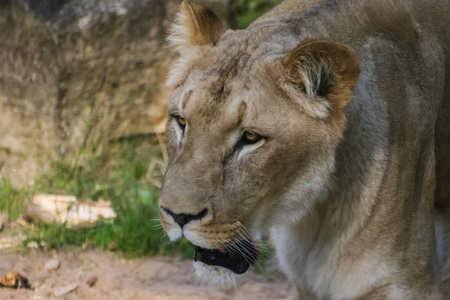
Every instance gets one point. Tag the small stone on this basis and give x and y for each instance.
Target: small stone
(52, 264)
(112, 246)
(32, 245)
(92, 281)
(61, 291)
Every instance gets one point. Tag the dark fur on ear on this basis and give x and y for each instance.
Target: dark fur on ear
(323, 70)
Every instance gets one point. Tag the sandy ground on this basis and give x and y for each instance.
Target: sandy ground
(120, 278)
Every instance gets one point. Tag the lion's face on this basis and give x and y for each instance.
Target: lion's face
(244, 156)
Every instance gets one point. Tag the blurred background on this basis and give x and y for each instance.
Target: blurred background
(82, 113)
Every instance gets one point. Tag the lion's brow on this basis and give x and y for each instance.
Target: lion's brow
(186, 97)
(242, 111)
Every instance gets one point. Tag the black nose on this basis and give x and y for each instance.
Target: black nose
(183, 219)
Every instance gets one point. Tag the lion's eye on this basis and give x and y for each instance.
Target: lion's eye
(249, 138)
(181, 121)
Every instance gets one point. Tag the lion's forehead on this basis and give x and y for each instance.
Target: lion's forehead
(213, 99)
(228, 72)
(222, 68)
(220, 93)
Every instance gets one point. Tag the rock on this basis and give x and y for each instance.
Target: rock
(52, 264)
(11, 240)
(61, 291)
(80, 74)
(92, 281)
(36, 213)
(78, 71)
(8, 242)
(66, 209)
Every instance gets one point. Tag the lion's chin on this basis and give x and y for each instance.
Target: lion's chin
(218, 277)
(222, 268)
(237, 261)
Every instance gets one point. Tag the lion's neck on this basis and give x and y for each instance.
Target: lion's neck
(328, 267)
(322, 252)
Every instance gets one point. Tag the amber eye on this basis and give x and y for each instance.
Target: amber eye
(181, 121)
(249, 138)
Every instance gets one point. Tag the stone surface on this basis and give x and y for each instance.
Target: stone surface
(52, 264)
(91, 281)
(78, 74)
(61, 291)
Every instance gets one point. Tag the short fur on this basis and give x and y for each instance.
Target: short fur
(352, 99)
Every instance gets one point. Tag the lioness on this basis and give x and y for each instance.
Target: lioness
(325, 123)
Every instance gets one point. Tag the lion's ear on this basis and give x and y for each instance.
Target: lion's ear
(195, 26)
(324, 71)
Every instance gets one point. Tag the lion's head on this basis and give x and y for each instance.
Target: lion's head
(254, 121)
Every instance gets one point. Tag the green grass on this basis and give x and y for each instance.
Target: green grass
(246, 11)
(123, 179)
(120, 175)
(13, 201)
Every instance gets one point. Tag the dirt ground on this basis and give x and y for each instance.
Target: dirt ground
(120, 278)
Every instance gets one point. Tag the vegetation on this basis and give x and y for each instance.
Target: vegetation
(246, 11)
(125, 171)
(127, 182)
(13, 201)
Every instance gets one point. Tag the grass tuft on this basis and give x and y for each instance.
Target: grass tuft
(13, 201)
(121, 176)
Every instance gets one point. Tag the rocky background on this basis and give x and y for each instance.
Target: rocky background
(80, 73)
(82, 113)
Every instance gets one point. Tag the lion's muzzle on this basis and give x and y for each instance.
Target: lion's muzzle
(182, 219)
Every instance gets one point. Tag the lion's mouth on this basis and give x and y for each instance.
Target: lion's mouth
(238, 256)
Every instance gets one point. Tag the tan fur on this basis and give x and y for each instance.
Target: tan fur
(352, 98)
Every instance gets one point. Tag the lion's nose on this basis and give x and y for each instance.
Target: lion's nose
(183, 219)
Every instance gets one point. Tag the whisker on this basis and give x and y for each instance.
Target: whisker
(244, 229)
(239, 251)
(246, 251)
(247, 247)
(262, 248)
(234, 250)
(246, 241)
(155, 227)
